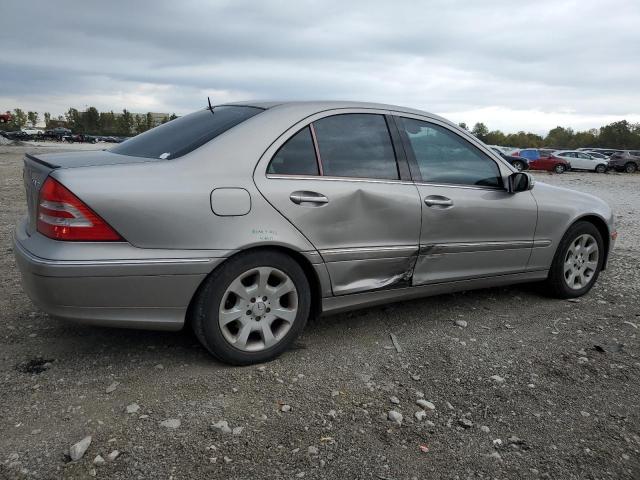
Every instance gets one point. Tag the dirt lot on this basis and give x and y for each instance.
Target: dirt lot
(531, 388)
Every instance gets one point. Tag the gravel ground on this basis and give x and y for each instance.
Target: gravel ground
(501, 383)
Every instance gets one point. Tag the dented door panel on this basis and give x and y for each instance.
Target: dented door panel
(367, 231)
(484, 232)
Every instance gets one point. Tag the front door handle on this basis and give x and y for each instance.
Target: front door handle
(438, 201)
(308, 197)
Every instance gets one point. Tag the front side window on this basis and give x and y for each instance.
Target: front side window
(296, 157)
(445, 157)
(356, 145)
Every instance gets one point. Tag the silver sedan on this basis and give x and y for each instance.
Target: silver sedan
(245, 220)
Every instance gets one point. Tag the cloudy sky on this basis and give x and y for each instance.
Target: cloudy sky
(513, 64)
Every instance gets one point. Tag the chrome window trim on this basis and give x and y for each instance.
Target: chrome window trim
(336, 179)
(458, 185)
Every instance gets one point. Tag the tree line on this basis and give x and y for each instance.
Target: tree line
(621, 134)
(91, 121)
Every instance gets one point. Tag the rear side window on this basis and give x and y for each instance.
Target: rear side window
(356, 145)
(296, 157)
(445, 157)
(183, 135)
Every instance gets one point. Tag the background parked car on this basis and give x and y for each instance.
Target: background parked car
(57, 133)
(544, 161)
(583, 161)
(519, 163)
(602, 156)
(624, 162)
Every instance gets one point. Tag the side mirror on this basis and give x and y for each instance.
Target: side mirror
(520, 182)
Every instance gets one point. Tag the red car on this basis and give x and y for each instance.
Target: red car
(543, 160)
(5, 117)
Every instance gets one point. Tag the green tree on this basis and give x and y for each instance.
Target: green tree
(463, 125)
(496, 137)
(173, 117)
(480, 131)
(91, 121)
(165, 119)
(149, 121)
(560, 137)
(74, 122)
(617, 135)
(140, 124)
(47, 119)
(108, 124)
(33, 118)
(125, 123)
(18, 120)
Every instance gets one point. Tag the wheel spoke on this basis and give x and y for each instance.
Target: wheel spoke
(243, 335)
(228, 316)
(282, 289)
(591, 248)
(568, 266)
(285, 314)
(267, 335)
(240, 290)
(591, 266)
(582, 240)
(263, 277)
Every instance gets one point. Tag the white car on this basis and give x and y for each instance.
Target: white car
(31, 131)
(583, 161)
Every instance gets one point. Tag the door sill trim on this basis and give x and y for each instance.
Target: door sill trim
(332, 305)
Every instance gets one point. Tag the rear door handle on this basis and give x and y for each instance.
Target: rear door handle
(438, 201)
(308, 197)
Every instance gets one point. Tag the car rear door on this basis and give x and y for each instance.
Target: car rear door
(339, 180)
(471, 226)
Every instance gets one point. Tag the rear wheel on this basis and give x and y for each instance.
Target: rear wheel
(601, 168)
(252, 308)
(630, 167)
(577, 262)
(559, 168)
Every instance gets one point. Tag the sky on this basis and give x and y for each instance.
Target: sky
(514, 65)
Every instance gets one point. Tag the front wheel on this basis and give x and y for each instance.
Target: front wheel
(252, 308)
(559, 168)
(577, 262)
(601, 168)
(630, 167)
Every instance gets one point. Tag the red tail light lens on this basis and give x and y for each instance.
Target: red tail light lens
(63, 216)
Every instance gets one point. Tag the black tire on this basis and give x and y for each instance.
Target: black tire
(556, 285)
(630, 167)
(518, 165)
(206, 306)
(601, 168)
(559, 168)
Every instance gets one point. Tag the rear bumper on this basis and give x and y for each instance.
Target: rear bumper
(122, 286)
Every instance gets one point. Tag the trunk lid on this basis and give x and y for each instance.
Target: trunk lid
(38, 166)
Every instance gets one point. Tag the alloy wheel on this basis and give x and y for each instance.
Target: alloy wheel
(258, 309)
(581, 261)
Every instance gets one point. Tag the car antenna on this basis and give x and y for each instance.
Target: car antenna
(210, 107)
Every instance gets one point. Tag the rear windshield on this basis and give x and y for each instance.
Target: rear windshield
(183, 135)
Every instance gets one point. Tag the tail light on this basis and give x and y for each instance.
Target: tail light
(63, 216)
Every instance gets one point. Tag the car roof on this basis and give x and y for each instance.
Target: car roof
(320, 105)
